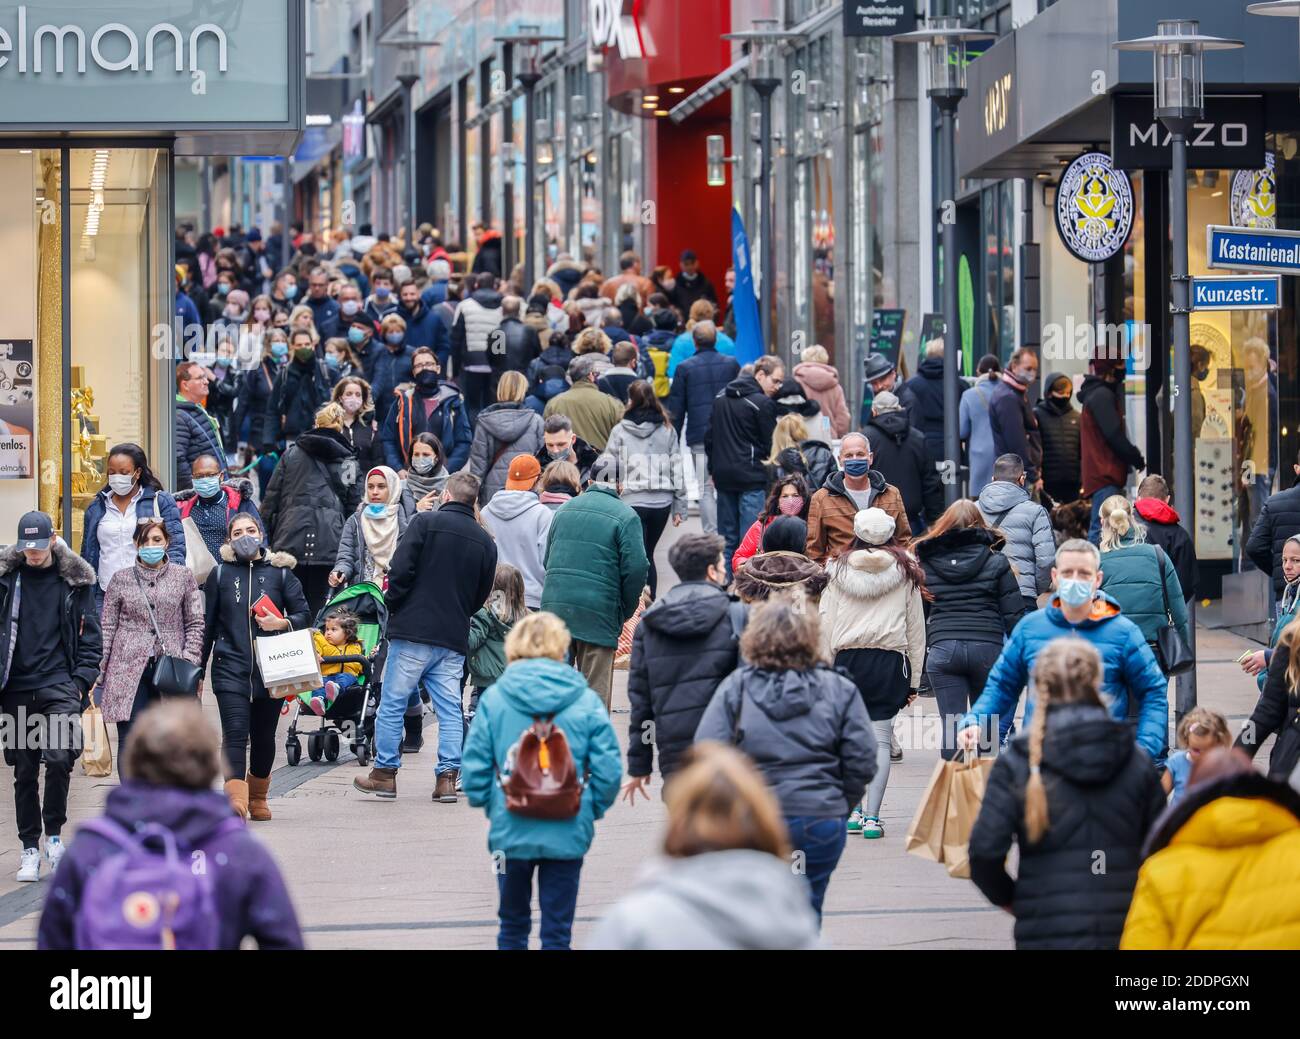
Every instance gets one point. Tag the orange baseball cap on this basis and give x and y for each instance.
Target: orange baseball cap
(524, 471)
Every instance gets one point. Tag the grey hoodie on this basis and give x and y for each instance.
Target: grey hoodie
(807, 731)
(1030, 547)
(737, 899)
(501, 432)
(649, 461)
(520, 523)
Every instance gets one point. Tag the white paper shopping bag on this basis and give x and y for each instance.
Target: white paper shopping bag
(288, 659)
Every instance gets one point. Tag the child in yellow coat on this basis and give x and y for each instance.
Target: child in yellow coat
(337, 640)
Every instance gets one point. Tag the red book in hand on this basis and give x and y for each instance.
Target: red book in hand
(264, 607)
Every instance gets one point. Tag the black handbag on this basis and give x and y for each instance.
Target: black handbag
(172, 676)
(1173, 654)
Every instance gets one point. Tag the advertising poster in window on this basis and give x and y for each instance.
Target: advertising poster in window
(17, 408)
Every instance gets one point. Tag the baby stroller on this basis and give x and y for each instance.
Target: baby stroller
(352, 715)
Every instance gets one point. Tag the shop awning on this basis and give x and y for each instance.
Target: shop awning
(715, 87)
(733, 73)
(552, 64)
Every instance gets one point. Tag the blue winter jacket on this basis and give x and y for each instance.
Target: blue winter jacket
(406, 420)
(684, 347)
(435, 293)
(1130, 671)
(385, 371)
(532, 689)
(427, 329)
(701, 377)
(144, 508)
(325, 315)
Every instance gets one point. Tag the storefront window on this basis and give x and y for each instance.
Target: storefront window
(120, 260)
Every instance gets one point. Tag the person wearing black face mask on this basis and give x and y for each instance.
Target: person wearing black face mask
(1058, 422)
(248, 713)
(430, 404)
(300, 388)
(1106, 453)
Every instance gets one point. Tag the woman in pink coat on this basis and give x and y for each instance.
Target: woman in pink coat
(130, 645)
(821, 383)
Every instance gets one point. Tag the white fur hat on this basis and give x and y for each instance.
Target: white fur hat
(874, 526)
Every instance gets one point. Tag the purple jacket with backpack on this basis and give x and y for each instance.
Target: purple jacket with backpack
(247, 892)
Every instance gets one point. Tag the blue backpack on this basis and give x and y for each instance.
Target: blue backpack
(146, 896)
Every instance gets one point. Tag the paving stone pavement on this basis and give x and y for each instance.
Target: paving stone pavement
(415, 874)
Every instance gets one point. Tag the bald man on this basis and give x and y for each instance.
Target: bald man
(846, 493)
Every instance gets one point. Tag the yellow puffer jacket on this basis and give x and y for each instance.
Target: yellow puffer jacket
(1223, 871)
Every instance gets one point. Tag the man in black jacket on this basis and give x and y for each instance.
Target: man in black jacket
(690, 284)
(927, 388)
(520, 342)
(1058, 424)
(301, 388)
(196, 432)
(428, 635)
(1015, 430)
(1163, 529)
(698, 381)
(50, 651)
(1278, 520)
(738, 443)
(898, 452)
(691, 638)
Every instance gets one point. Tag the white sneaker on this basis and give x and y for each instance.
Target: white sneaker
(54, 849)
(29, 869)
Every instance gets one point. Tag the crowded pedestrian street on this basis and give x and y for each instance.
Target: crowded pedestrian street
(591, 476)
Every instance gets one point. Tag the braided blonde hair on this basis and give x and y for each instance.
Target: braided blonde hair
(1117, 519)
(1068, 670)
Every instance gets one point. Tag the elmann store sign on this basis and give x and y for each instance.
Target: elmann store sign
(150, 63)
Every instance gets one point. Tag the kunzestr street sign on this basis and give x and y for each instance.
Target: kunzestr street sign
(1237, 292)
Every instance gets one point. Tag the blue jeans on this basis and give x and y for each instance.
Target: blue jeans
(439, 670)
(1099, 496)
(820, 839)
(557, 895)
(737, 511)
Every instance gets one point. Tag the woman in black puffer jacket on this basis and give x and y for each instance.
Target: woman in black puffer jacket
(1078, 796)
(976, 602)
(313, 492)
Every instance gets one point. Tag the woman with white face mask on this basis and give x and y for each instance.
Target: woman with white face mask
(352, 394)
(131, 493)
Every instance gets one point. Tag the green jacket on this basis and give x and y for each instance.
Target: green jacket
(487, 647)
(593, 412)
(595, 565)
(1131, 576)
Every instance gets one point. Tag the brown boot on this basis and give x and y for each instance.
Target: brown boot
(382, 782)
(237, 792)
(258, 788)
(445, 790)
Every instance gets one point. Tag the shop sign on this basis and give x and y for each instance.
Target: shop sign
(1231, 136)
(1252, 249)
(17, 409)
(608, 26)
(879, 17)
(1237, 292)
(178, 63)
(1254, 196)
(1094, 208)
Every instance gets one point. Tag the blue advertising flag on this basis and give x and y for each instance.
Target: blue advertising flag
(749, 334)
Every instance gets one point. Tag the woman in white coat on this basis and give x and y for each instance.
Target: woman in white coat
(873, 621)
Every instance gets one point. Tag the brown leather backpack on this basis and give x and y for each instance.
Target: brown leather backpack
(543, 782)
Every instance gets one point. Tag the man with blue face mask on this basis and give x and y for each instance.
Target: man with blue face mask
(844, 495)
(1133, 686)
(212, 503)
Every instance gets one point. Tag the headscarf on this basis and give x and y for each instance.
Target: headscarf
(381, 532)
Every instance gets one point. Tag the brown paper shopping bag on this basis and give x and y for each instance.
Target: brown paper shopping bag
(925, 834)
(96, 753)
(965, 795)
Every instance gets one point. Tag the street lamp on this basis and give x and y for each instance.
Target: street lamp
(947, 41)
(1277, 8)
(1178, 50)
(764, 77)
(408, 44)
(528, 43)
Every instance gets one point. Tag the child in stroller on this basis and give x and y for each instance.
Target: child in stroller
(339, 638)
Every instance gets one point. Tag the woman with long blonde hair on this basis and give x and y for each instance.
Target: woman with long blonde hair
(504, 431)
(1078, 797)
